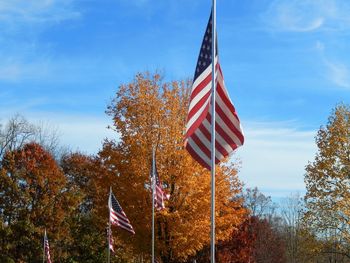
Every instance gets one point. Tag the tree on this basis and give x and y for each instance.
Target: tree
(269, 245)
(328, 185)
(151, 113)
(86, 227)
(19, 131)
(239, 248)
(33, 197)
(258, 204)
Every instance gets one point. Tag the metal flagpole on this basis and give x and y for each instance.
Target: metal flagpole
(109, 227)
(44, 247)
(213, 46)
(153, 185)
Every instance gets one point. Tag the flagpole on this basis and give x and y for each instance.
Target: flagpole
(109, 228)
(153, 184)
(213, 91)
(44, 247)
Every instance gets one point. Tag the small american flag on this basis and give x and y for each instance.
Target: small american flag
(159, 196)
(110, 239)
(228, 131)
(117, 216)
(47, 248)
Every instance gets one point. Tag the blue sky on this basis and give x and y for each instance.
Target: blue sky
(286, 65)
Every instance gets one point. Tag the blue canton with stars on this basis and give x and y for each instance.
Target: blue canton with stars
(204, 58)
(115, 205)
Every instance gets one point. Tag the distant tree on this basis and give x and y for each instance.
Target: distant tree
(258, 204)
(291, 211)
(151, 113)
(240, 247)
(269, 245)
(18, 131)
(328, 186)
(256, 241)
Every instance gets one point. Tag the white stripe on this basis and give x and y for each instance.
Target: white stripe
(229, 114)
(227, 130)
(219, 139)
(196, 116)
(198, 151)
(127, 228)
(223, 125)
(119, 215)
(120, 218)
(120, 222)
(204, 74)
(207, 143)
(199, 96)
(227, 111)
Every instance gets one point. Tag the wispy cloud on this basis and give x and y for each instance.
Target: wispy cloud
(335, 71)
(338, 73)
(307, 15)
(21, 22)
(275, 154)
(20, 13)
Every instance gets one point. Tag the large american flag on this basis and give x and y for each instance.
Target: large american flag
(47, 248)
(228, 131)
(159, 196)
(117, 216)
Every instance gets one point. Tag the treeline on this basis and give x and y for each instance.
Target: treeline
(44, 186)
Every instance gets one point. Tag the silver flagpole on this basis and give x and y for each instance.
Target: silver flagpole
(109, 227)
(153, 185)
(213, 91)
(44, 247)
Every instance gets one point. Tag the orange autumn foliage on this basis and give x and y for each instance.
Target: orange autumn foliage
(147, 113)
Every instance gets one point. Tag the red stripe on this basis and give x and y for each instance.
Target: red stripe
(199, 104)
(120, 218)
(197, 122)
(131, 230)
(226, 100)
(119, 215)
(200, 86)
(223, 134)
(229, 123)
(201, 145)
(121, 223)
(195, 156)
(218, 146)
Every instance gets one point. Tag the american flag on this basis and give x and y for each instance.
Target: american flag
(110, 239)
(228, 131)
(159, 196)
(47, 248)
(117, 216)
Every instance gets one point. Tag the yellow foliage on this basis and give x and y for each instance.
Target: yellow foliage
(151, 113)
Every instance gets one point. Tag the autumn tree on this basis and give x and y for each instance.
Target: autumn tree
(239, 247)
(150, 113)
(32, 197)
(86, 226)
(328, 186)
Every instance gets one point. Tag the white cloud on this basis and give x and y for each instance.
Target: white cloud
(339, 74)
(307, 15)
(274, 157)
(336, 72)
(23, 13)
